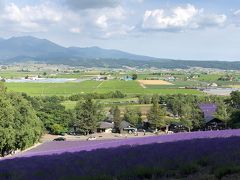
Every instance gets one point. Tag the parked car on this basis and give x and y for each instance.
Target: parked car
(60, 139)
(91, 138)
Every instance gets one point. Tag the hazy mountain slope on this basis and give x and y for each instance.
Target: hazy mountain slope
(27, 47)
(41, 49)
(20, 49)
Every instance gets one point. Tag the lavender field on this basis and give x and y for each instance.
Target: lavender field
(198, 155)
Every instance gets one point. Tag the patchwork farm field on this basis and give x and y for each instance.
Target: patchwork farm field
(66, 89)
(154, 82)
(196, 155)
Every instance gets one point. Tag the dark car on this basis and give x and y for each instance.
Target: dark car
(60, 139)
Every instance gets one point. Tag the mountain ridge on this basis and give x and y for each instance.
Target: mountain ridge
(38, 48)
(28, 48)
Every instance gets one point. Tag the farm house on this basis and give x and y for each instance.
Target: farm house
(106, 127)
(215, 124)
(126, 126)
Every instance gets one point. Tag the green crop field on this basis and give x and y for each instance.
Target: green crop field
(66, 89)
(209, 77)
(48, 89)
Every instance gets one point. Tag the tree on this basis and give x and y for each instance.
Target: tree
(156, 115)
(57, 129)
(235, 99)
(116, 117)
(19, 126)
(3, 89)
(133, 116)
(235, 119)
(27, 125)
(7, 131)
(88, 114)
(187, 123)
(223, 113)
(155, 99)
(144, 99)
(50, 111)
(134, 76)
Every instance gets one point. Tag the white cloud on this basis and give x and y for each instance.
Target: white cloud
(108, 22)
(119, 31)
(108, 17)
(30, 18)
(181, 18)
(76, 30)
(101, 22)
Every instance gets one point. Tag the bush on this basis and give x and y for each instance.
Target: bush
(57, 129)
(226, 170)
(188, 169)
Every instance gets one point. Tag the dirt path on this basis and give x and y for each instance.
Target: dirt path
(100, 84)
(19, 152)
(144, 87)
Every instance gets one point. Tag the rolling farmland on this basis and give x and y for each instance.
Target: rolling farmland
(66, 89)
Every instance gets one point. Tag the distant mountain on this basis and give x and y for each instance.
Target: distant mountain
(27, 47)
(20, 49)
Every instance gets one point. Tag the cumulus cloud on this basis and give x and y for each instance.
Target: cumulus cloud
(98, 23)
(91, 4)
(101, 23)
(180, 18)
(106, 22)
(30, 18)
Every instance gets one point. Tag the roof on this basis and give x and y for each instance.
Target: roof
(125, 124)
(106, 125)
(215, 120)
(208, 110)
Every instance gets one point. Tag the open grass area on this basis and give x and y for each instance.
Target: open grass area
(143, 108)
(209, 77)
(49, 89)
(66, 89)
(14, 74)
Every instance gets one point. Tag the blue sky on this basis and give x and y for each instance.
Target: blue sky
(179, 29)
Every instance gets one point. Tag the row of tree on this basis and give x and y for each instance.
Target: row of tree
(85, 116)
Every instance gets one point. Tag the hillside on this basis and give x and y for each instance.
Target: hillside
(196, 155)
(27, 48)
